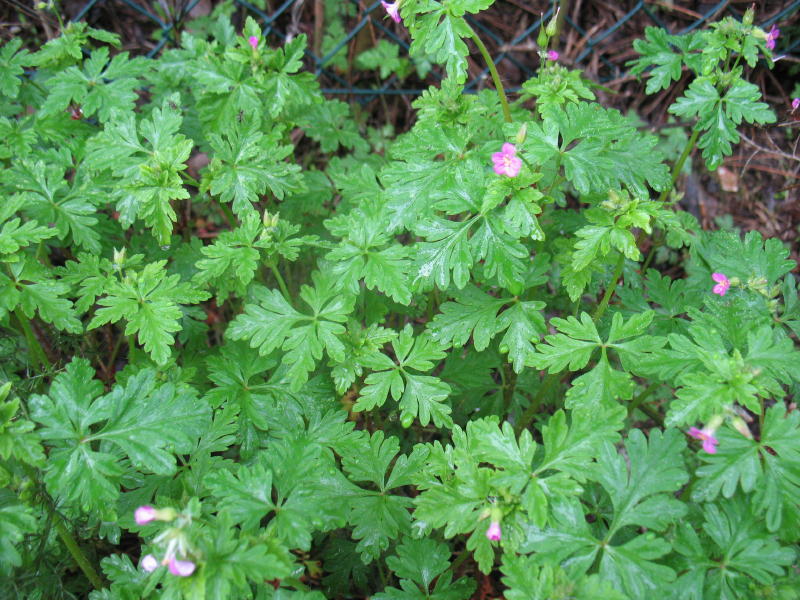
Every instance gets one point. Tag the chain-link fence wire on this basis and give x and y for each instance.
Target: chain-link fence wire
(594, 48)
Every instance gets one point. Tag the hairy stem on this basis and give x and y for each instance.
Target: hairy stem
(676, 170)
(38, 355)
(601, 308)
(501, 92)
(281, 283)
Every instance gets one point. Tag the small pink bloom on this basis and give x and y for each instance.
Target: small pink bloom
(710, 443)
(253, 41)
(144, 515)
(552, 55)
(393, 9)
(181, 568)
(772, 36)
(149, 563)
(723, 283)
(795, 104)
(506, 162)
(494, 533)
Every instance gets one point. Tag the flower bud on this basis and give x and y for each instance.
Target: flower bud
(550, 30)
(144, 515)
(119, 258)
(522, 133)
(149, 563)
(740, 426)
(747, 18)
(494, 533)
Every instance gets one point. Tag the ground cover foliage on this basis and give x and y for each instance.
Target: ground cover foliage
(254, 349)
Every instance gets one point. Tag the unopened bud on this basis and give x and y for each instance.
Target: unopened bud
(550, 30)
(522, 133)
(119, 258)
(747, 18)
(740, 426)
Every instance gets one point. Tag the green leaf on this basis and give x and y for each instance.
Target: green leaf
(735, 552)
(246, 163)
(149, 300)
(419, 396)
(571, 348)
(768, 468)
(16, 521)
(657, 52)
(93, 439)
(148, 175)
(12, 62)
(271, 323)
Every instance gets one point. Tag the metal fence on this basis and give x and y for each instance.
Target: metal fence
(509, 52)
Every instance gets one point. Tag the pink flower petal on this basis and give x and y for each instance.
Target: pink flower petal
(552, 55)
(253, 41)
(494, 533)
(181, 568)
(392, 9)
(795, 103)
(144, 515)
(723, 283)
(509, 149)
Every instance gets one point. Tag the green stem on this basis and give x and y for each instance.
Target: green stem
(38, 354)
(72, 546)
(548, 382)
(131, 348)
(509, 385)
(229, 216)
(77, 555)
(601, 308)
(676, 170)
(501, 92)
(642, 397)
(281, 283)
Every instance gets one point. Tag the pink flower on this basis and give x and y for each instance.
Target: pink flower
(144, 515)
(253, 41)
(506, 162)
(149, 563)
(393, 9)
(795, 104)
(494, 533)
(772, 36)
(552, 55)
(723, 283)
(181, 568)
(710, 443)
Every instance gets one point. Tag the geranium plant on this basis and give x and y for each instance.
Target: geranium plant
(250, 354)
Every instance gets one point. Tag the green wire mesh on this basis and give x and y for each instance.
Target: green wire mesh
(513, 53)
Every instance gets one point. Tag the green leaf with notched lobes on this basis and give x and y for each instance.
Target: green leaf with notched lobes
(149, 301)
(271, 322)
(419, 396)
(95, 440)
(246, 163)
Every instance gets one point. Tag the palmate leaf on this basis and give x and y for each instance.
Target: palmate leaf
(147, 171)
(419, 396)
(718, 115)
(641, 495)
(367, 252)
(657, 52)
(527, 580)
(379, 516)
(101, 87)
(31, 289)
(769, 468)
(417, 564)
(48, 198)
(246, 163)
(12, 62)
(474, 313)
(149, 300)
(271, 323)
(93, 439)
(735, 551)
